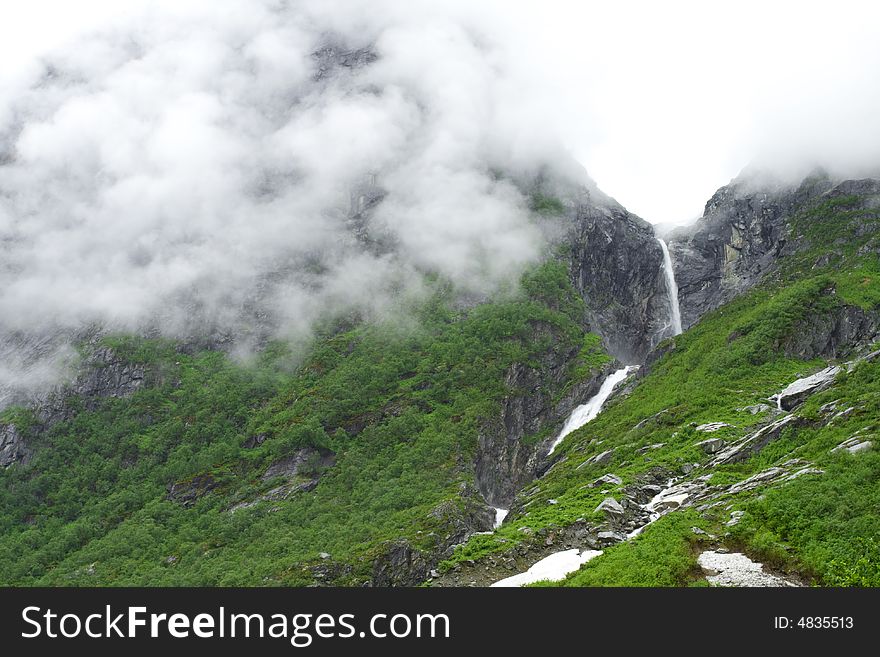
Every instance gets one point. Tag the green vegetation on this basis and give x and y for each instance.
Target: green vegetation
(401, 410)
(664, 554)
(825, 527)
(547, 205)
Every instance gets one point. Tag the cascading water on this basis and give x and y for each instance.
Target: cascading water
(672, 289)
(500, 515)
(587, 412)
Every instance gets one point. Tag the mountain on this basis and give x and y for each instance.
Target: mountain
(375, 335)
(382, 457)
(752, 432)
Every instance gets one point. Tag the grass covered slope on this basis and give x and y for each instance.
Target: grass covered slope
(824, 525)
(169, 486)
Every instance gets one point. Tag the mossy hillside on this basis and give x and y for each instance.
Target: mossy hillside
(664, 554)
(734, 358)
(725, 363)
(399, 408)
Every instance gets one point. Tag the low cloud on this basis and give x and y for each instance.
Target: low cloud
(185, 168)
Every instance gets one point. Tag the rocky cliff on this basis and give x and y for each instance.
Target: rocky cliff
(739, 238)
(616, 265)
(102, 374)
(744, 231)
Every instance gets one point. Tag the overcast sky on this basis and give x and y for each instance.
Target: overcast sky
(663, 102)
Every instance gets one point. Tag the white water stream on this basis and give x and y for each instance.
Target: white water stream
(500, 515)
(556, 566)
(587, 412)
(672, 288)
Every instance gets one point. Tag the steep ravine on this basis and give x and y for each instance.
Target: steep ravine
(558, 564)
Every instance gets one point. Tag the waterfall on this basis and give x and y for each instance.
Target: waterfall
(587, 412)
(672, 290)
(500, 515)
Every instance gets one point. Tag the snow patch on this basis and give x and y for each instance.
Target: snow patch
(552, 568)
(736, 569)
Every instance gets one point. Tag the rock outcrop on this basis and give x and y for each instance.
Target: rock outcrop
(738, 240)
(797, 391)
(505, 462)
(102, 375)
(831, 334)
(13, 448)
(402, 564)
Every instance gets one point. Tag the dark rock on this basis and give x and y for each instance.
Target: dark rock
(505, 463)
(13, 447)
(831, 334)
(400, 564)
(616, 266)
(712, 445)
(255, 441)
(188, 491)
(308, 462)
(102, 375)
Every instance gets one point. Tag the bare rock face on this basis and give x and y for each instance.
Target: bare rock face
(832, 334)
(300, 472)
(616, 266)
(187, 492)
(305, 462)
(505, 462)
(402, 564)
(736, 242)
(13, 448)
(101, 376)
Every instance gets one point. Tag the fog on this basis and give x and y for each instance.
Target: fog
(176, 165)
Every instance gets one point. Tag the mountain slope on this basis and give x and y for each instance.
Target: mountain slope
(697, 437)
(377, 457)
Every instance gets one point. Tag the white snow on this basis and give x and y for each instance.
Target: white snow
(552, 568)
(736, 569)
(587, 412)
(672, 288)
(500, 515)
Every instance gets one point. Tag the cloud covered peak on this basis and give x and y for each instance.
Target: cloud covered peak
(176, 169)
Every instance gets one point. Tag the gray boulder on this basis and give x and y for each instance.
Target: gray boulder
(712, 445)
(611, 506)
(606, 480)
(854, 445)
(797, 391)
(712, 427)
